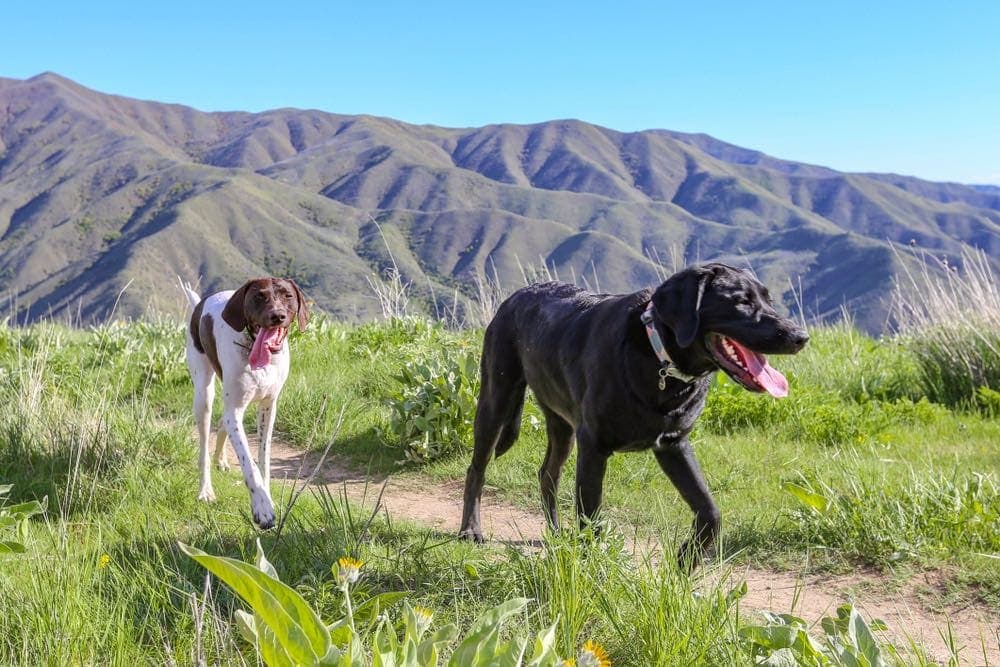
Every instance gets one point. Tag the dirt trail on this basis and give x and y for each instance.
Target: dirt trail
(439, 506)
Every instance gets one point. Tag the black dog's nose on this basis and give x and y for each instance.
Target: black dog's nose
(278, 318)
(799, 338)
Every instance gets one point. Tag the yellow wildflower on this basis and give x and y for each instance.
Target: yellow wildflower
(593, 655)
(424, 616)
(103, 561)
(349, 569)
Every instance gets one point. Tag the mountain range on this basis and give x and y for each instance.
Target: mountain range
(105, 199)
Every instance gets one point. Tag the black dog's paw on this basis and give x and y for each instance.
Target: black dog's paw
(472, 536)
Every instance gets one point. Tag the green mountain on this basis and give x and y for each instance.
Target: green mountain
(103, 199)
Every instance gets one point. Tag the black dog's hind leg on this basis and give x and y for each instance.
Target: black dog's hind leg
(560, 434)
(677, 460)
(497, 424)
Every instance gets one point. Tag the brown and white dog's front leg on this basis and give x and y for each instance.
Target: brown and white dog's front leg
(204, 393)
(221, 459)
(260, 496)
(266, 412)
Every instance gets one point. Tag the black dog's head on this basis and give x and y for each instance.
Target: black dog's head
(722, 317)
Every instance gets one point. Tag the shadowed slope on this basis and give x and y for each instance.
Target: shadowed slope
(98, 190)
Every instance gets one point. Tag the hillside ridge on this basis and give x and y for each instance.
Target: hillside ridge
(100, 191)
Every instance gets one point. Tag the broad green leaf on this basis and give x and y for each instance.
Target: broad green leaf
(500, 612)
(11, 548)
(771, 637)
(427, 652)
(366, 612)
(271, 651)
(472, 649)
(263, 564)
(340, 632)
(296, 626)
(781, 658)
(809, 498)
(384, 646)
(26, 509)
(511, 653)
(246, 626)
(545, 647)
(482, 641)
(865, 640)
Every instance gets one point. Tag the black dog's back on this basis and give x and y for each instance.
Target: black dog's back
(530, 322)
(537, 333)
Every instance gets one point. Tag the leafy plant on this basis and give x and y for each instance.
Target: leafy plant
(285, 630)
(16, 517)
(433, 410)
(847, 640)
(880, 524)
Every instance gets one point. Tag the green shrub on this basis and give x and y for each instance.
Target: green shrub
(881, 523)
(812, 415)
(950, 321)
(16, 517)
(847, 640)
(433, 409)
(285, 630)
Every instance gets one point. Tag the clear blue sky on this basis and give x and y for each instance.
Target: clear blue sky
(908, 87)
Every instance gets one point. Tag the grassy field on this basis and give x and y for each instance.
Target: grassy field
(855, 469)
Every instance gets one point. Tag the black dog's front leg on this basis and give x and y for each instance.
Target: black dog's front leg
(677, 460)
(591, 465)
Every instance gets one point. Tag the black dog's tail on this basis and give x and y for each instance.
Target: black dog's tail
(501, 393)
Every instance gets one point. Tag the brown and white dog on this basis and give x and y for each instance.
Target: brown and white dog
(242, 337)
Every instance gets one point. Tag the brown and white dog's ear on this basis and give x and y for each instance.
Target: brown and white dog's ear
(234, 313)
(678, 300)
(302, 313)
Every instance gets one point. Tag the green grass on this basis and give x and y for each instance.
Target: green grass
(99, 422)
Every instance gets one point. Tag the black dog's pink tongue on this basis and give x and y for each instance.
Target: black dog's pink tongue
(769, 378)
(260, 353)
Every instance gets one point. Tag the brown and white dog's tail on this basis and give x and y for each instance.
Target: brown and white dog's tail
(191, 295)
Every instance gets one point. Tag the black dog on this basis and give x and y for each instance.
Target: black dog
(623, 373)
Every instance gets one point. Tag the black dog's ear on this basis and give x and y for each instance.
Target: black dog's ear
(234, 313)
(678, 300)
(302, 313)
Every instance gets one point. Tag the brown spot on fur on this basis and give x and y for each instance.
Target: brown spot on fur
(195, 321)
(208, 342)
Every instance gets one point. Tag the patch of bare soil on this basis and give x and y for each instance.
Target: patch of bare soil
(975, 628)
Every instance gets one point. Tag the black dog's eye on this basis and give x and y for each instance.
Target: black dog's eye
(259, 296)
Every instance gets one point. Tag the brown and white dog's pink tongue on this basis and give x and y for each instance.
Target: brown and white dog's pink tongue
(260, 353)
(768, 377)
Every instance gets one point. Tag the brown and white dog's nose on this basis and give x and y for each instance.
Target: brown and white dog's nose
(279, 319)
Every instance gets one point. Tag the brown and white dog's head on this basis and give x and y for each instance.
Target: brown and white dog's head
(266, 307)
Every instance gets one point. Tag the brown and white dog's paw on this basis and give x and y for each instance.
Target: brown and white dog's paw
(207, 495)
(262, 508)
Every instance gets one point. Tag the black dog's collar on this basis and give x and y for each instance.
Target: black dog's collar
(667, 366)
